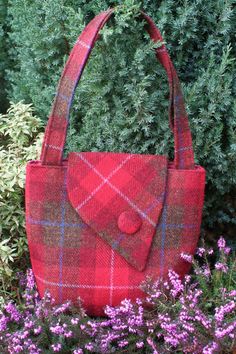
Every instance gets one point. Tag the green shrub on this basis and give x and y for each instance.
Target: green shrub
(20, 142)
(121, 103)
(4, 60)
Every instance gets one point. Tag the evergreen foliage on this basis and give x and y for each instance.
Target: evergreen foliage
(121, 103)
(4, 64)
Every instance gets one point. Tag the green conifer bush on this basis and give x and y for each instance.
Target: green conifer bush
(4, 60)
(121, 103)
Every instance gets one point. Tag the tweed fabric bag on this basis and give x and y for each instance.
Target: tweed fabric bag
(98, 223)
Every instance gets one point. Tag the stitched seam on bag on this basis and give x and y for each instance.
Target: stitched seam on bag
(87, 286)
(111, 274)
(62, 235)
(198, 169)
(163, 236)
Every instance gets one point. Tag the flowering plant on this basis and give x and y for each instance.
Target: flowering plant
(193, 315)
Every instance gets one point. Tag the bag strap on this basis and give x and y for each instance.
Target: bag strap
(55, 133)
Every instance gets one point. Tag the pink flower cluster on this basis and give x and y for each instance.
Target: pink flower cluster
(196, 315)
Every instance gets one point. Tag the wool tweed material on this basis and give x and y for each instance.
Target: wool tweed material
(98, 223)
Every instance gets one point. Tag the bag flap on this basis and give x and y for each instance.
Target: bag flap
(120, 196)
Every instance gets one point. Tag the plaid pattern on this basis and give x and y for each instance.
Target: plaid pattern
(103, 185)
(72, 260)
(77, 240)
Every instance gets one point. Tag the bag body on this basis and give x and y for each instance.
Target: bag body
(98, 223)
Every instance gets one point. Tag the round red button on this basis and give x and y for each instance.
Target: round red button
(129, 222)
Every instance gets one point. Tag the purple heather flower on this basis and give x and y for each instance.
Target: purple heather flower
(17, 349)
(150, 323)
(68, 334)
(221, 311)
(139, 301)
(74, 321)
(200, 251)
(185, 316)
(23, 334)
(56, 347)
(206, 271)
(3, 323)
(232, 293)
(89, 346)
(187, 279)
(187, 257)
(174, 342)
(222, 246)
(28, 324)
(192, 297)
(221, 243)
(203, 271)
(210, 348)
(48, 299)
(126, 306)
(22, 278)
(222, 267)
(139, 344)
(166, 285)
(177, 286)
(30, 283)
(227, 250)
(29, 298)
(188, 327)
(37, 330)
(224, 332)
(123, 343)
(62, 308)
(164, 317)
(174, 322)
(151, 298)
(152, 345)
(58, 329)
(33, 349)
(201, 318)
(11, 309)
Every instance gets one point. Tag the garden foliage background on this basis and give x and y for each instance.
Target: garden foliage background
(121, 102)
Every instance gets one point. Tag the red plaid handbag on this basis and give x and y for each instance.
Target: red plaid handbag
(99, 222)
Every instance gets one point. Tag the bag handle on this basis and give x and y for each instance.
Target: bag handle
(55, 132)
